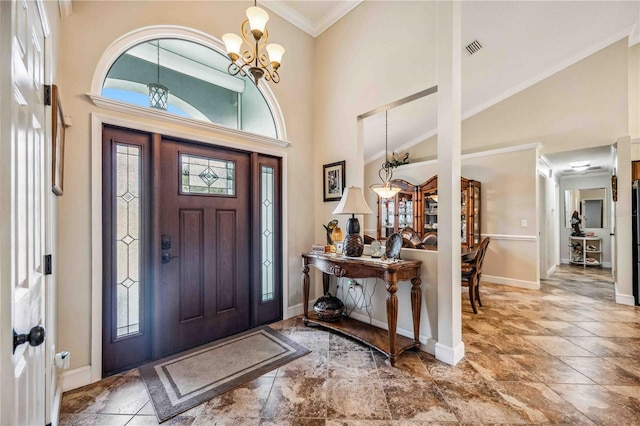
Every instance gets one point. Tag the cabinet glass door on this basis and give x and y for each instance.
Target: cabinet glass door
(463, 216)
(430, 213)
(405, 211)
(387, 219)
(476, 215)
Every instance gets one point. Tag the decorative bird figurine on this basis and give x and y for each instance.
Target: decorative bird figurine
(329, 227)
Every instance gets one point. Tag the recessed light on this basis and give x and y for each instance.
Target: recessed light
(580, 165)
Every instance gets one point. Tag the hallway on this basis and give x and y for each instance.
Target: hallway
(564, 354)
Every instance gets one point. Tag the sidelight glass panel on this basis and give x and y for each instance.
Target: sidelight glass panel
(267, 232)
(127, 230)
(207, 176)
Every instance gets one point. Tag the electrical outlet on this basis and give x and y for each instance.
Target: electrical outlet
(523, 223)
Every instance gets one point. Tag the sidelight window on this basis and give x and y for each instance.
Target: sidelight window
(128, 230)
(267, 232)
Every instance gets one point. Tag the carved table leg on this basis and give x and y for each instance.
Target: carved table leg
(392, 318)
(416, 306)
(325, 283)
(305, 293)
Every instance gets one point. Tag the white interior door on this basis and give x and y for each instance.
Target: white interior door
(22, 155)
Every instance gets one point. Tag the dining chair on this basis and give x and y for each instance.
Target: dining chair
(471, 273)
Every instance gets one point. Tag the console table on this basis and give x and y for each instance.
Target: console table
(391, 272)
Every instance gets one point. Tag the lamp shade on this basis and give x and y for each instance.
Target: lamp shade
(352, 202)
(275, 52)
(232, 42)
(386, 191)
(257, 18)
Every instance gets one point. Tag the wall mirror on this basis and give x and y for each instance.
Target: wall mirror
(589, 203)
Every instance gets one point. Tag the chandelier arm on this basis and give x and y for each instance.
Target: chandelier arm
(250, 54)
(234, 69)
(260, 45)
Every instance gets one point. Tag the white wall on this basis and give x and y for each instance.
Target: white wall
(81, 48)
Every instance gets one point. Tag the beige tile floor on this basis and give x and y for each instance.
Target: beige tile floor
(565, 354)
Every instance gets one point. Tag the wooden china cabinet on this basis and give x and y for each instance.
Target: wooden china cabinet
(398, 211)
(417, 206)
(469, 210)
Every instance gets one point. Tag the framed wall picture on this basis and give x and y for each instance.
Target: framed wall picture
(57, 137)
(333, 181)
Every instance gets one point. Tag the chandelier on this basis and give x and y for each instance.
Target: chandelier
(254, 60)
(158, 94)
(386, 188)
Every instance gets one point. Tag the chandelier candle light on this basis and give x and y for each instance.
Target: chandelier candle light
(254, 59)
(386, 188)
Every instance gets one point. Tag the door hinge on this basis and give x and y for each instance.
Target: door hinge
(48, 268)
(47, 94)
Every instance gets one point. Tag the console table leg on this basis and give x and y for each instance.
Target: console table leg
(416, 306)
(392, 320)
(305, 293)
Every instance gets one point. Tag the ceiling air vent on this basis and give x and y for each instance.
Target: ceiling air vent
(473, 47)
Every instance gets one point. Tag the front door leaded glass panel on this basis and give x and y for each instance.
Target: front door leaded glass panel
(207, 176)
(266, 232)
(127, 199)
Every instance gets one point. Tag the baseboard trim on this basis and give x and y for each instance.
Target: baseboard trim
(427, 344)
(55, 409)
(296, 310)
(76, 378)
(551, 270)
(624, 299)
(450, 355)
(531, 285)
(429, 347)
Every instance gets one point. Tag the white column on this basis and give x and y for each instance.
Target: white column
(623, 231)
(449, 348)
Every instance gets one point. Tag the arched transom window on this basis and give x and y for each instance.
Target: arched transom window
(197, 81)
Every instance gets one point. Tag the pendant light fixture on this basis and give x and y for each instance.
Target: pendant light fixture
(158, 94)
(386, 188)
(255, 60)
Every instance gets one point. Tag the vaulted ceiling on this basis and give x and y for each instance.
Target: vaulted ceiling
(523, 42)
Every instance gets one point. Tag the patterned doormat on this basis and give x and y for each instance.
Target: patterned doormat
(180, 382)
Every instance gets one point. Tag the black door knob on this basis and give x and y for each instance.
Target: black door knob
(35, 337)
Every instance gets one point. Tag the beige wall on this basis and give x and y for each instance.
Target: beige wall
(507, 196)
(378, 53)
(634, 91)
(82, 44)
(582, 106)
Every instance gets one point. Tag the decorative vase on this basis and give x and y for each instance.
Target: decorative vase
(328, 307)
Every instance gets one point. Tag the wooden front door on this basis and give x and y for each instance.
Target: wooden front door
(192, 247)
(204, 210)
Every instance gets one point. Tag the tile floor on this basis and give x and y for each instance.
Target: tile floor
(565, 354)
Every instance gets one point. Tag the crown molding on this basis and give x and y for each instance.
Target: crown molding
(65, 8)
(312, 28)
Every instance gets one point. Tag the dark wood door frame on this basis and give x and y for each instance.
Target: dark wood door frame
(260, 313)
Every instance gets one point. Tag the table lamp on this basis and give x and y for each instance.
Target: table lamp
(353, 203)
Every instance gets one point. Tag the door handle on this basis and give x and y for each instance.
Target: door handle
(166, 257)
(35, 337)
